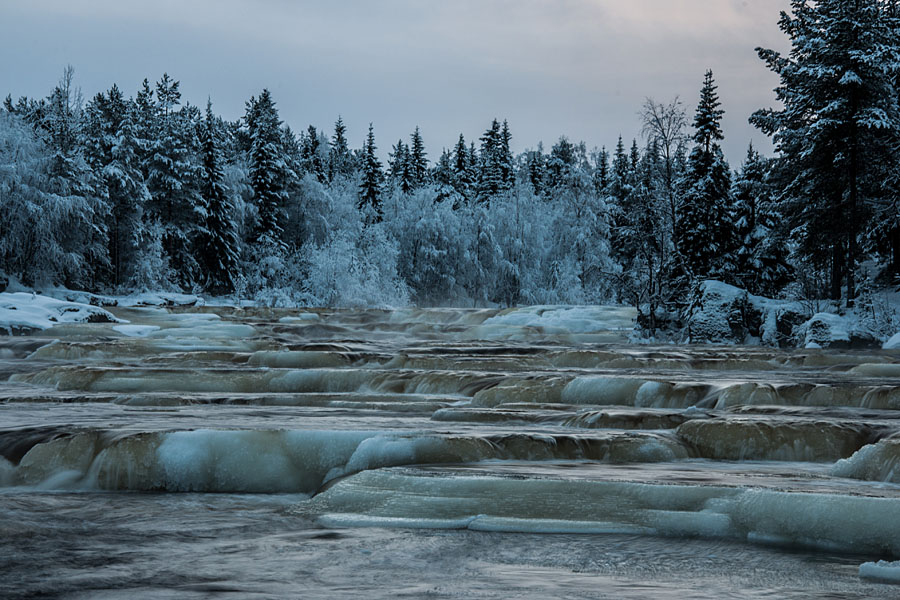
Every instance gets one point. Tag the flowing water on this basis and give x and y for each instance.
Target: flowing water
(530, 453)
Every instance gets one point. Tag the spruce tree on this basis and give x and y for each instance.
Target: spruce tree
(838, 128)
(418, 161)
(221, 248)
(601, 170)
(495, 165)
(313, 155)
(372, 177)
(269, 172)
(462, 169)
(400, 170)
(340, 161)
(761, 265)
(703, 231)
(172, 177)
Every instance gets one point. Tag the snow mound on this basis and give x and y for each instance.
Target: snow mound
(883, 571)
(828, 330)
(167, 299)
(24, 313)
(893, 343)
(567, 319)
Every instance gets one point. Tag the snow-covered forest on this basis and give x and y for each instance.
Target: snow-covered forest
(122, 192)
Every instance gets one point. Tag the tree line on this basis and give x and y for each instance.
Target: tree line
(123, 193)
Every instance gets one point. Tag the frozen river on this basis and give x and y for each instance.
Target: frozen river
(443, 453)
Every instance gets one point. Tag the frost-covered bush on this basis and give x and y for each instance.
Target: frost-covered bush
(49, 232)
(360, 272)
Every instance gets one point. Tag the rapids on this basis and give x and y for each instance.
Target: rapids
(446, 452)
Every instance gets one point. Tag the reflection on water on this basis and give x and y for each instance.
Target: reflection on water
(449, 453)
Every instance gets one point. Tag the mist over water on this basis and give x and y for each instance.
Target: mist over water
(451, 453)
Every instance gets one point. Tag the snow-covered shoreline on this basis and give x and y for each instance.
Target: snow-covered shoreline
(718, 314)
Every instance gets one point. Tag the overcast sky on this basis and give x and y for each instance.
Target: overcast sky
(551, 67)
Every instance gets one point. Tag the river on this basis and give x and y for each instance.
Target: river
(442, 453)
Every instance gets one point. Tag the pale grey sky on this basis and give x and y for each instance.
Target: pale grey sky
(551, 67)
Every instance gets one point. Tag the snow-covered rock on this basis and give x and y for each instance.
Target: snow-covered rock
(828, 330)
(724, 314)
(166, 299)
(24, 313)
(719, 314)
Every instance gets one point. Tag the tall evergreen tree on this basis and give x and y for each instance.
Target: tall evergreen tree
(114, 152)
(340, 160)
(463, 169)
(269, 172)
(372, 178)
(838, 127)
(704, 232)
(172, 177)
(400, 170)
(761, 250)
(314, 155)
(418, 161)
(495, 173)
(601, 170)
(220, 251)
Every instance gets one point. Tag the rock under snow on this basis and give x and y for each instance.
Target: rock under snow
(719, 314)
(24, 312)
(725, 314)
(828, 330)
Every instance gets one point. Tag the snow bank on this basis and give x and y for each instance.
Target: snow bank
(24, 312)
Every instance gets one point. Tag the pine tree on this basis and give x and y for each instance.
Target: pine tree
(269, 172)
(619, 189)
(114, 152)
(418, 161)
(704, 232)
(507, 166)
(172, 177)
(601, 170)
(536, 167)
(340, 161)
(463, 169)
(838, 128)
(372, 177)
(401, 172)
(495, 174)
(220, 251)
(761, 252)
(312, 154)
